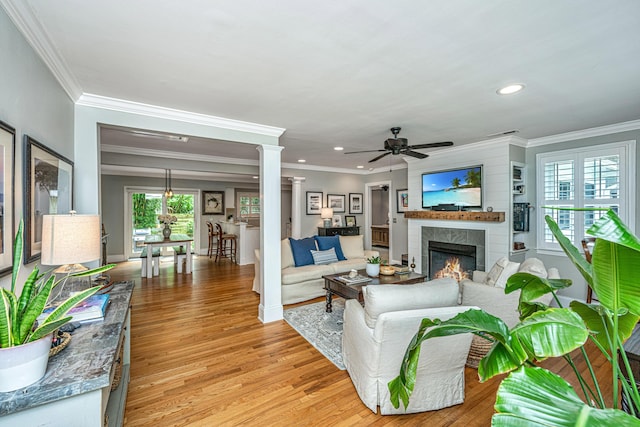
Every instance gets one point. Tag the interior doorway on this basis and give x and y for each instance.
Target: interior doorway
(378, 231)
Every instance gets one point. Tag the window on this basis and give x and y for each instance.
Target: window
(249, 205)
(592, 177)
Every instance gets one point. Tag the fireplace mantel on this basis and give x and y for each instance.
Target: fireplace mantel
(456, 215)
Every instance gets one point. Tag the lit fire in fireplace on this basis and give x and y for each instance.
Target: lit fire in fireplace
(452, 269)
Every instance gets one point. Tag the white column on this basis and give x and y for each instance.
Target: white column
(296, 205)
(270, 308)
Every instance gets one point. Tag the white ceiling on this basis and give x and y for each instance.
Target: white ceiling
(343, 72)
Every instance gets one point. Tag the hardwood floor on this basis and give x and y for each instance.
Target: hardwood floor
(200, 357)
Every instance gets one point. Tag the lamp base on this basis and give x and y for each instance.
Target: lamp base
(327, 223)
(70, 269)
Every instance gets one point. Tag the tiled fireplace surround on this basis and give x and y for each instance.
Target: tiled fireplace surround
(452, 235)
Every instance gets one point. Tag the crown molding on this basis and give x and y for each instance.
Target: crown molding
(25, 20)
(148, 172)
(121, 105)
(585, 133)
(121, 149)
(308, 167)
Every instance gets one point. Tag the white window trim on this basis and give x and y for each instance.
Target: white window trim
(627, 198)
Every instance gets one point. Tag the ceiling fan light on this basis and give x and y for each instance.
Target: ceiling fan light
(511, 89)
(338, 148)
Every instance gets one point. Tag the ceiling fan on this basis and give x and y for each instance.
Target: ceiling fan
(397, 146)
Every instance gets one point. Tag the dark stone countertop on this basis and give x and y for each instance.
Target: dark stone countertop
(84, 365)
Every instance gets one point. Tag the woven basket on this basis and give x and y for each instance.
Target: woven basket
(117, 376)
(66, 339)
(479, 348)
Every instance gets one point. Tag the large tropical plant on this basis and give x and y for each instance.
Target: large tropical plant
(19, 314)
(532, 396)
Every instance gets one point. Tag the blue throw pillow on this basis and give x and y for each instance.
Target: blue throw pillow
(302, 250)
(328, 242)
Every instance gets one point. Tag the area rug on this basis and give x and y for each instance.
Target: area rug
(323, 330)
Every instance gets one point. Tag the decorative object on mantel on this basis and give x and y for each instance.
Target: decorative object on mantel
(457, 215)
(413, 263)
(24, 347)
(167, 220)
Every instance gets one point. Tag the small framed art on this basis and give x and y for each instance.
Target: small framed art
(314, 202)
(355, 203)
(337, 221)
(336, 202)
(212, 202)
(402, 200)
(350, 220)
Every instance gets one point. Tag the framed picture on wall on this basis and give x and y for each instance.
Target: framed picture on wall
(402, 200)
(48, 190)
(355, 203)
(212, 202)
(314, 202)
(337, 221)
(336, 202)
(7, 148)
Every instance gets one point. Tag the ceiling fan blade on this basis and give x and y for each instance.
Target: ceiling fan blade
(367, 151)
(415, 154)
(431, 145)
(380, 156)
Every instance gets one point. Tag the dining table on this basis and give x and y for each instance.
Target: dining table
(158, 241)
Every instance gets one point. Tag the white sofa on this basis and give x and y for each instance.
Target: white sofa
(376, 337)
(306, 282)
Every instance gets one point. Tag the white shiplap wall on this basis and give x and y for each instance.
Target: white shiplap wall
(494, 157)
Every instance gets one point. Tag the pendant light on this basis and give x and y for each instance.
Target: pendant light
(167, 183)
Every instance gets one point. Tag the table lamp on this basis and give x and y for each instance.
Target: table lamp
(327, 215)
(68, 240)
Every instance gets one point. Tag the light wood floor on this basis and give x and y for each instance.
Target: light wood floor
(200, 357)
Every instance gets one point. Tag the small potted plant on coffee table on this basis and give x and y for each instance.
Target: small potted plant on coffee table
(373, 266)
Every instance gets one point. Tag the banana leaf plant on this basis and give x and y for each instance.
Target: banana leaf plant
(19, 314)
(533, 396)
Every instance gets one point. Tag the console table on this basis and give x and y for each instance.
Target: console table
(76, 389)
(338, 231)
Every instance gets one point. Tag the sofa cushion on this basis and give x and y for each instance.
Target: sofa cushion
(348, 265)
(352, 246)
(328, 242)
(500, 272)
(297, 275)
(324, 257)
(533, 266)
(301, 249)
(387, 298)
(286, 256)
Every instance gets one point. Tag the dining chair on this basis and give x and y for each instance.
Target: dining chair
(227, 245)
(213, 237)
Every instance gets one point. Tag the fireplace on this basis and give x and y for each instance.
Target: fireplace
(456, 236)
(453, 260)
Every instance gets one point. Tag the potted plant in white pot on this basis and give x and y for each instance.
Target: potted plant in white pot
(24, 342)
(373, 266)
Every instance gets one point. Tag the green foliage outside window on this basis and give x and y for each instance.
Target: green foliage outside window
(145, 211)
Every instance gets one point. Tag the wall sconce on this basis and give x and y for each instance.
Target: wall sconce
(327, 215)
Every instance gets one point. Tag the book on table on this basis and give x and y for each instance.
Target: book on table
(353, 280)
(93, 308)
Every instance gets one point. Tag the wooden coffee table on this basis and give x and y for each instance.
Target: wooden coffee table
(336, 287)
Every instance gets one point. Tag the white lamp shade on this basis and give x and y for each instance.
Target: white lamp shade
(70, 239)
(326, 213)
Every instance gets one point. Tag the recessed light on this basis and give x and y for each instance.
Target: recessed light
(360, 167)
(338, 148)
(301, 160)
(255, 177)
(508, 90)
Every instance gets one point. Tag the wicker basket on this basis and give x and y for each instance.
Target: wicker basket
(64, 342)
(479, 348)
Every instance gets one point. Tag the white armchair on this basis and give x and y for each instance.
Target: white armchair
(376, 336)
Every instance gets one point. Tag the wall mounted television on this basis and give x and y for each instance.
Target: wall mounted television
(453, 189)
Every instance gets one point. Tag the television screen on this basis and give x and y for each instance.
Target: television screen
(461, 188)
